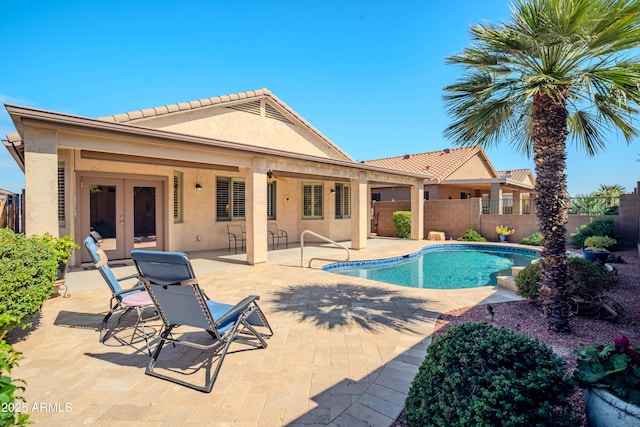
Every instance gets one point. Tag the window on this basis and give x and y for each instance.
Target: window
(426, 195)
(62, 218)
(343, 201)
(271, 200)
(230, 199)
(312, 201)
(376, 197)
(178, 216)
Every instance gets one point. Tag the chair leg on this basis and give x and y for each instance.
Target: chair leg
(140, 321)
(104, 330)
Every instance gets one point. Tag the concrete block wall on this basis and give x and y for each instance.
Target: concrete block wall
(382, 222)
(454, 217)
(451, 216)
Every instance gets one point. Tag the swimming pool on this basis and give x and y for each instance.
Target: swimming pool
(452, 266)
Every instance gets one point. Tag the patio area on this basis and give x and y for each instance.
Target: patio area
(343, 353)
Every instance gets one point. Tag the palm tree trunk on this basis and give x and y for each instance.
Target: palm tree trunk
(549, 135)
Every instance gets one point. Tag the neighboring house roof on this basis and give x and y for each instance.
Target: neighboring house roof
(248, 101)
(441, 164)
(520, 175)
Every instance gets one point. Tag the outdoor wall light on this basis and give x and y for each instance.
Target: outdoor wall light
(198, 187)
(333, 191)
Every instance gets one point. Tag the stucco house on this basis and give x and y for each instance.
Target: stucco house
(460, 173)
(174, 176)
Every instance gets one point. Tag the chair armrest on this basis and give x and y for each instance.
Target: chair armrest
(237, 309)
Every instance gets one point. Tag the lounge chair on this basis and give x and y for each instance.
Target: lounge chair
(236, 234)
(171, 282)
(122, 300)
(276, 234)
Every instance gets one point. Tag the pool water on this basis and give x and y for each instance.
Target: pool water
(442, 266)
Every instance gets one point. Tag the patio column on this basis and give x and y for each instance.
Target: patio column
(256, 212)
(517, 202)
(359, 212)
(495, 200)
(417, 210)
(41, 180)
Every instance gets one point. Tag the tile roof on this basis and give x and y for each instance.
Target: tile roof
(520, 175)
(440, 164)
(221, 101)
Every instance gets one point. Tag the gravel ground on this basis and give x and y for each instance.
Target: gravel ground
(527, 318)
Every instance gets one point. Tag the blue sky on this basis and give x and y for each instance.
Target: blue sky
(367, 74)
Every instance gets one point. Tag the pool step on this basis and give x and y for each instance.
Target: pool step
(509, 282)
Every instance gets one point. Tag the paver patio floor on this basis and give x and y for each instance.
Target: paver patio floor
(343, 353)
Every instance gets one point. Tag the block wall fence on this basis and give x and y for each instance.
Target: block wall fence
(454, 217)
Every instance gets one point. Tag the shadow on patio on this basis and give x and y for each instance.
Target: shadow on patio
(370, 307)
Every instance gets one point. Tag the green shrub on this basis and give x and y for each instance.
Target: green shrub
(597, 227)
(582, 276)
(599, 243)
(9, 416)
(527, 281)
(472, 236)
(402, 224)
(28, 268)
(478, 375)
(534, 239)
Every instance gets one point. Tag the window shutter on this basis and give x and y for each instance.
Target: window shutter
(223, 213)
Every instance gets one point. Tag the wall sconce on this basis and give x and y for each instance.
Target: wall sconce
(198, 187)
(333, 191)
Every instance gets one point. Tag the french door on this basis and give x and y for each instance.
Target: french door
(127, 213)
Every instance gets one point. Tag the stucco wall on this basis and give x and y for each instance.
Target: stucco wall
(474, 168)
(247, 128)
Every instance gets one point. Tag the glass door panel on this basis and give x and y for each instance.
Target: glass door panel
(102, 214)
(144, 218)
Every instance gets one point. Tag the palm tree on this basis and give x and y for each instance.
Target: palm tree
(610, 193)
(558, 69)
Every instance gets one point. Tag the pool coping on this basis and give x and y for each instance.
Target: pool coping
(331, 268)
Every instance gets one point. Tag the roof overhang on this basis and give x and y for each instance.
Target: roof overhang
(14, 145)
(26, 116)
(487, 182)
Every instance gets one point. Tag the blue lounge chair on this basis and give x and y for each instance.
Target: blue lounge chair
(171, 282)
(122, 299)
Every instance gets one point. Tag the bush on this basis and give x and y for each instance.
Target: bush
(9, 358)
(586, 286)
(597, 227)
(534, 239)
(527, 281)
(476, 374)
(28, 268)
(598, 243)
(402, 224)
(472, 236)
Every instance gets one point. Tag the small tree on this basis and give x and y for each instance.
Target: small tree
(402, 224)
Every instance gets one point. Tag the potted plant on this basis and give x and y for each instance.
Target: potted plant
(63, 248)
(504, 232)
(611, 375)
(595, 248)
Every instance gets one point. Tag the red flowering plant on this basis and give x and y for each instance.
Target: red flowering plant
(615, 367)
